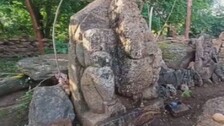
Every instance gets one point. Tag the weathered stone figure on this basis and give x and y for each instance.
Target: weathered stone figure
(205, 58)
(141, 56)
(113, 63)
(97, 84)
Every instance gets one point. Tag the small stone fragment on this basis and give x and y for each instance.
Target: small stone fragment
(218, 117)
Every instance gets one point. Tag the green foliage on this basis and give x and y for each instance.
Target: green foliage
(47, 9)
(15, 19)
(8, 65)
(186, 94)
(162, 9)
(203, 17)
(207, 23)
(61, 48)
(26, 98)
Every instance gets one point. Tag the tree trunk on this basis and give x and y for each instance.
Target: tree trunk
(39, 18)
(36, 26)
(188, 19)
(49, 20)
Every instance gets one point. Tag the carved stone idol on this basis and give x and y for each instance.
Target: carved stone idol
(114, 64)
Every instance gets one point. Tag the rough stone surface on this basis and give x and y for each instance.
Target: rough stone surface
(13, 84)
(179, 77)
(217, 44)
(42, 67)
(62, 122)
(218, 117)
(205, 58)
(167, 91)
(20, 47)
(98, 86)
(48, 105)
(211, 107)
(138, 52)
(96, 40)
(91, 17)
(176, 55)
(134, 42)
(220, 42)
(112, 58)
(135, 76)
(151, 92)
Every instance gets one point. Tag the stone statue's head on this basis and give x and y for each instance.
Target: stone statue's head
(207, 40)
(101, 59)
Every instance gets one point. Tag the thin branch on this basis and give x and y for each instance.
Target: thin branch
(148, 16)
(166, 20)
(53, 35)
(150, 19)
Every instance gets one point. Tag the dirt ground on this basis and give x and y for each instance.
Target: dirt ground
(13, 112)
(200, 96)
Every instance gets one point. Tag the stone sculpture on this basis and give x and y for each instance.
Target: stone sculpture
(114, 63)
(207, 62)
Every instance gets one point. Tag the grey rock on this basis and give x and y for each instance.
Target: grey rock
(100, 59)
(167, 91)
(220, 48)
(151, 92)
(134, 77)
(95, 40)
(48, 105)
(179, 77)
(99, 9)
(205, 58)
(212, 106)
(126, 16)
(176, 55)
(42, 67)
(97, 86)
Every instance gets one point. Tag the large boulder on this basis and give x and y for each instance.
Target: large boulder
(212, 106)
(48, 105)
(42, 67)
(176, 55)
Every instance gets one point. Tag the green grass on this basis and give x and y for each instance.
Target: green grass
(61, 48)
(8, 66)
(17, 114)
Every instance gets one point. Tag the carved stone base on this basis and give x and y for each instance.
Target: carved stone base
(134, 117)
(91, 119)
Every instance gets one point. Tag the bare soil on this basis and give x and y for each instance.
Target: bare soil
(200, 96)
(13, 112)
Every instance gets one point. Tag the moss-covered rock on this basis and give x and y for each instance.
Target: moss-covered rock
(42, 67)
(176, 55)
(15, 83)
